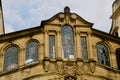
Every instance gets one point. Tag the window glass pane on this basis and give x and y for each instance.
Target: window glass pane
(103, 57)
(11, 58)
(31, 52)
(84, 47)
(118, 58)
(67, 42)
(52, 46)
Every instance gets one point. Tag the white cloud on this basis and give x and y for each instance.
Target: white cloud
(9, 28)
(23, 14)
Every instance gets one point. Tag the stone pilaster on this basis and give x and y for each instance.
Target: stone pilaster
(90, 52)
(46, 54)
(59, 48)
(78, 46)
(21, 57)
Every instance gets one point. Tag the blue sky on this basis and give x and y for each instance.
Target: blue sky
(23, 14)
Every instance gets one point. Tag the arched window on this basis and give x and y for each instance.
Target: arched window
(118, 58)
(31, 52)
(67, 42)
(11, 58)
(103, 56)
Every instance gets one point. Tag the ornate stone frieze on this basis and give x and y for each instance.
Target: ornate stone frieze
(70, 68)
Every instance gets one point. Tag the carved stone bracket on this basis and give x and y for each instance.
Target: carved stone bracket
(70, 68)
(92, 65)
(79, 66)
(60, 67)
(46, 64)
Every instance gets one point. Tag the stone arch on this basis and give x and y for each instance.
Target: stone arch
(103, 53)
(32, 51)
(10, 60)
(68, 44)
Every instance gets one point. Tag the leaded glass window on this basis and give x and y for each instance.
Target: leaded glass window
(52, 46)
(11, 58)
(103, 56)
(31, 52)
(84, 47)
(118, 58)
(67, 42)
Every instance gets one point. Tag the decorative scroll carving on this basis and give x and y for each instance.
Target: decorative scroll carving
(67, 16)
(61, 17)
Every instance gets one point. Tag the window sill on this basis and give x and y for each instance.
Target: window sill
(31, 64)
(9, 71)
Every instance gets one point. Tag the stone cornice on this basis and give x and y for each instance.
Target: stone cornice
(22, 33)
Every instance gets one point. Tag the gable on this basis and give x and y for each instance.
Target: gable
(66, 18)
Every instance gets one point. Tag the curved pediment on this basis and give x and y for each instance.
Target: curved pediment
(67, 17)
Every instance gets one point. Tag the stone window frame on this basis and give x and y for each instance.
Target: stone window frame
(54, 47)
(87, 56)
(117, 56)
(5, 49)
(73, 31)
(38, 43)
(108, 50)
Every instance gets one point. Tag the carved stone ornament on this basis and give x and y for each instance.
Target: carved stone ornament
(46, 65)
(70, 78)
(61, 16)
(79, 67)
(60, 67)
(74, 16)
(92, 65)
(70, 69)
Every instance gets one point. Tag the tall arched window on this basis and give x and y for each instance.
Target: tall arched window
(118, 58)
(103, 56)
(11, 58)
(31, 52)
(67, 42)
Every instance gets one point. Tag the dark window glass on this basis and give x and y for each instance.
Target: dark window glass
(84, 47)
(67, 42)
(52, 46)
(118, 58)
(11, 58)
(31, 52)
(103, 57)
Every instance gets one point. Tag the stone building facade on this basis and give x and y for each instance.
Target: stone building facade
(65, 47)
(115, 29)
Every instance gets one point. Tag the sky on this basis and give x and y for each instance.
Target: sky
(24, 14)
